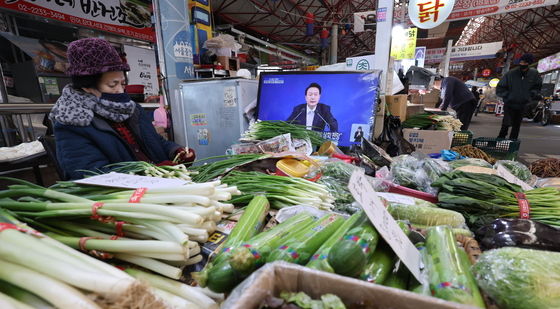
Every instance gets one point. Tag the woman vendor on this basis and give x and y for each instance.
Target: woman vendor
(95, 121)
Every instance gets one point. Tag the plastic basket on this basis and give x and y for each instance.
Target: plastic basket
(462, 138)
(503, 149)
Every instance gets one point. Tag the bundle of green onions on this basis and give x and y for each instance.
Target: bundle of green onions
(152, 228)
(38, 271)
(427, 121)
(481, 198)
(143, 168)
(279, 190)
(263, 130)
(213, 170)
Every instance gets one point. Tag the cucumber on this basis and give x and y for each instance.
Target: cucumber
(350, 254)
(253, 253)
(250, 223)
(319, 259)
(379, 268)
(301, 246)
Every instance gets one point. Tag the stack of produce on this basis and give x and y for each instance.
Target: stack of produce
(481, 198)
(335, 176)
(546, 168)
(39, 272)
(281, 191)
(472, 152)
(517, 169)
(520, 278)
(417, 173)
(448, 269)
(263, 130)
(519, 233)
(225, 164)
(420, 213)
(152, 228)
(142, 168)
(429, 121)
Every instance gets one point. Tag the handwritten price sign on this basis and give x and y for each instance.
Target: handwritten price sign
(387, 227)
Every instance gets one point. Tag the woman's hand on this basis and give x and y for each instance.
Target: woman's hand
(184, 155)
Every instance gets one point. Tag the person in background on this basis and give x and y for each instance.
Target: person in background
(476, 93)
(313, 114)
(96, 123)
(455, 94)
(358, 135)
(517, 88)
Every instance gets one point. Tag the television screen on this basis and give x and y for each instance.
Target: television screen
(341, 105)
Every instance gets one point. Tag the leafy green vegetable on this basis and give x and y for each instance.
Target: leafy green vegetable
(468, 162)
(262, 130)
(518, 169)
(481, 198)
(520, 278)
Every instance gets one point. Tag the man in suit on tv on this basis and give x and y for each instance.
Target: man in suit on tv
(312, 114)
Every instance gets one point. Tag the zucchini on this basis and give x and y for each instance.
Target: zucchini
(398, 278)
(379, 268)
(250, 223)
(430, 216)
(221, 277)
(253, 253)
(301, 246)
(319, 259)
(350, 254)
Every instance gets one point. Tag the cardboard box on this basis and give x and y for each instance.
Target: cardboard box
(224, 61)
(397, 105)
(413, 109)
(282, 276)
(429, 141)
(429, 99)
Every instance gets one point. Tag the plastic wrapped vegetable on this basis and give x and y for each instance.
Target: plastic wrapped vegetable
(520, 278)
(469, 162)
(519, 233)
(426, 216)
(350, 254)
(404, 171)
(335, 176)
(319, 259)
(518, 169)
(303, 245)
(448, 269)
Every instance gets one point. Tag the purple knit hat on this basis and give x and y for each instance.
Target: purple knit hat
(93, 56)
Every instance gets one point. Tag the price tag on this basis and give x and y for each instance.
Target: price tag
(387, 227)
(507, 175)
(120, 180)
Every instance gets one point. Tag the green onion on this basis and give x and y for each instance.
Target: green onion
(262, 130)
(210, 171)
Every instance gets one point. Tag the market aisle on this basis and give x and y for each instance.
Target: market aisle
(537, 142)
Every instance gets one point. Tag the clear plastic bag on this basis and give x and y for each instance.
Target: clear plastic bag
(520, 278)
(418, 172)
(469, 162)
(518, 169)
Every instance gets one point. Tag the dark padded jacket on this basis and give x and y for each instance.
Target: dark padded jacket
(518, 89)
(98, 144)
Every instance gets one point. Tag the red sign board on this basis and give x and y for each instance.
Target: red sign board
(126, 18)
(486, 72)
